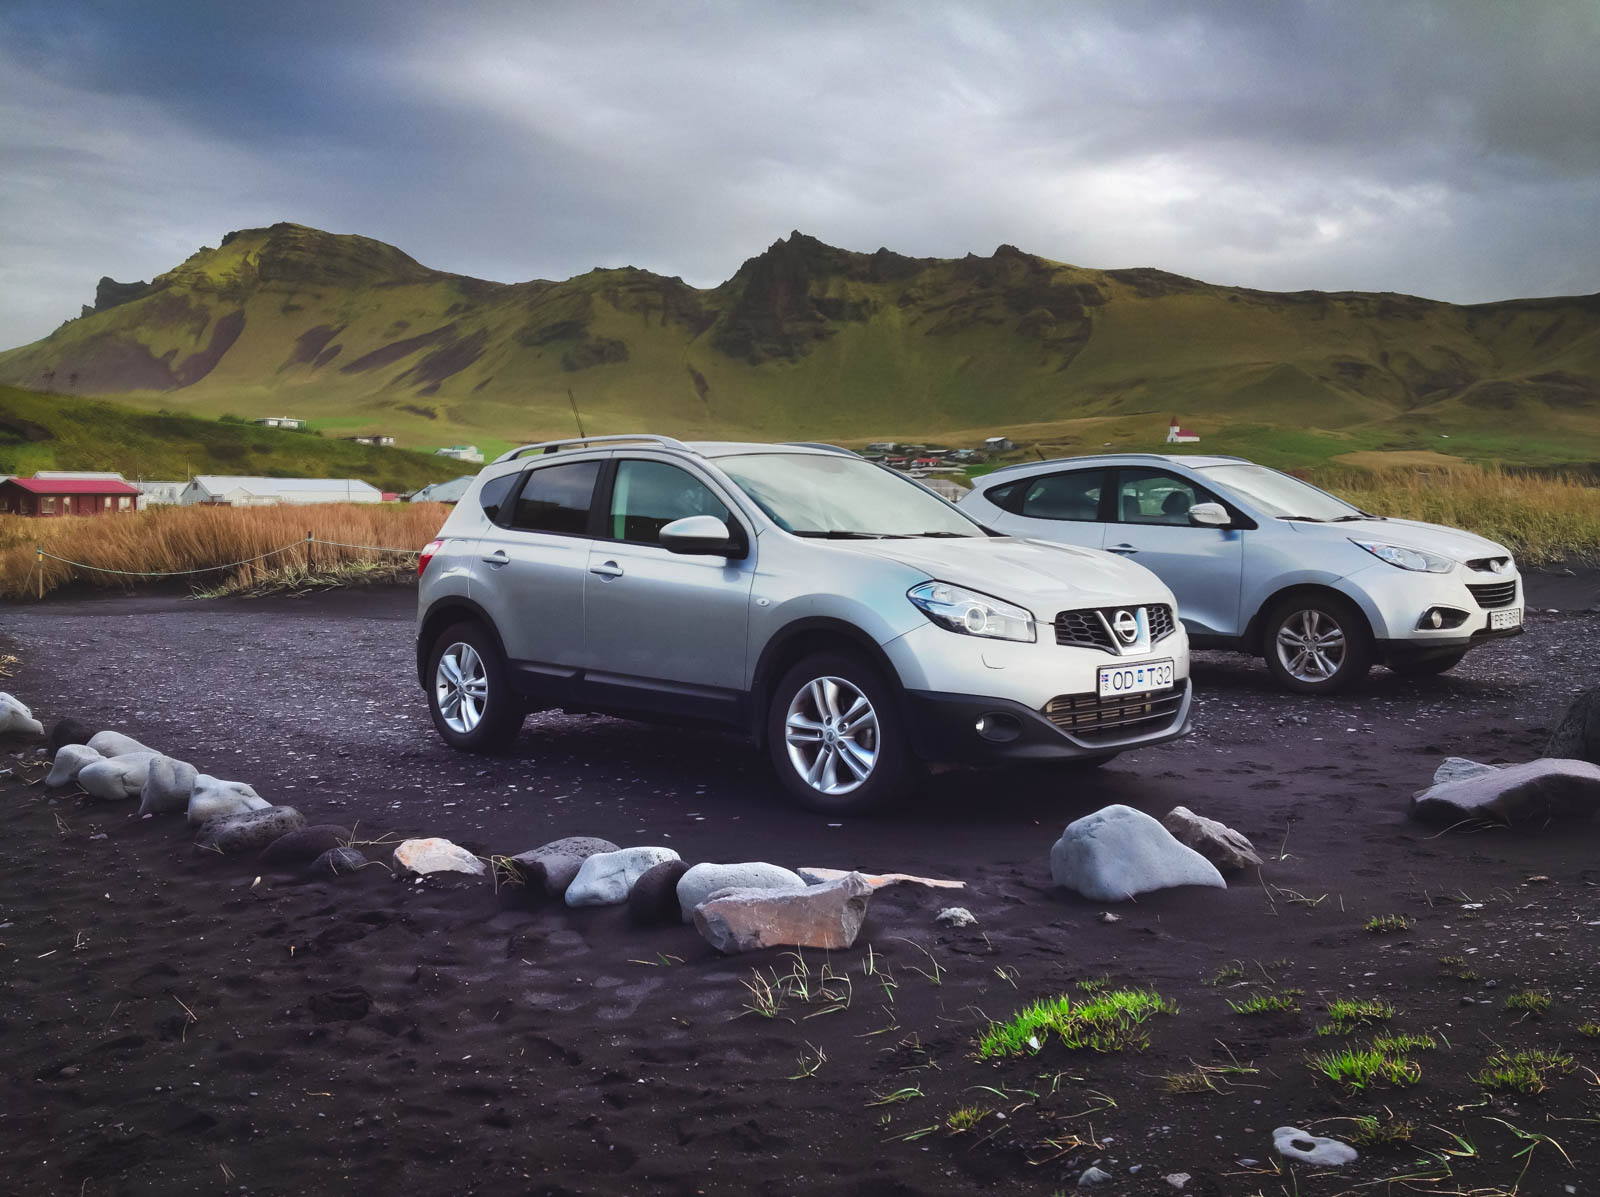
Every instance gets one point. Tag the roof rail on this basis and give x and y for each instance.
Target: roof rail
(551, 446)
(824, 447)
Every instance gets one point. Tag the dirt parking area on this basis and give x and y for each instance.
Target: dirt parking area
(170, 1025)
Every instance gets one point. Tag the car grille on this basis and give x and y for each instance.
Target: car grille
(1494, 594)
(1105, 720)
(1086, 629)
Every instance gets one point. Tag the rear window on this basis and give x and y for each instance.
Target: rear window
(557, 499)
(494, 494)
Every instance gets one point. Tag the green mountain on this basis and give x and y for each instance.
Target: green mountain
(809, 341)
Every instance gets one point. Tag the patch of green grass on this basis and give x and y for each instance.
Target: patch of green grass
(1265, 1003)
(1401, 1042)
(1388, 924)
(1349, 1013)
(1372, 1131)
(1196, 1080)
(1528, 1001)
(1356, 1068)
(1228, 973)
(1108, 1022)
(1526, 1071)
(1457, 967)
(1589, 1030)
(960, 1121)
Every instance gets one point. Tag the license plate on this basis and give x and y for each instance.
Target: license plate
(1505, 619)
(1134, 679)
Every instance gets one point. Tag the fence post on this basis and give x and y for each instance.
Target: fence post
(39, 550)
(308, 551)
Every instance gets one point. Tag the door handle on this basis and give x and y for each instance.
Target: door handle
(607, 569)
(498, 557)
(1125, 549)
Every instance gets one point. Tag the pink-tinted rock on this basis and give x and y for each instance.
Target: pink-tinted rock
(820, 916)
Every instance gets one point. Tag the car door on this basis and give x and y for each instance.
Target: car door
(531, 567)
(664, 629)
(1067, 506)
(1203, 567)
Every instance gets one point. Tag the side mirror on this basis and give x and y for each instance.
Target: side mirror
(700, 535)
(1209, 515)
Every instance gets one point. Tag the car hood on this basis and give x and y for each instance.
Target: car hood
(1414, 534)
(1042, 576)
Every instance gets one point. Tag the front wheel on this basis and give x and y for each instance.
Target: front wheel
(469, 694)
(1428, 666)
(1317, 644)
(835, 736)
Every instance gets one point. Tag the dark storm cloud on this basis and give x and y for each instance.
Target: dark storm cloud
(1446, 149)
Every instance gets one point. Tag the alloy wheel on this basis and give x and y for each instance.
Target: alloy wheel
(461, 687)
(1311, 646)
(832, 734)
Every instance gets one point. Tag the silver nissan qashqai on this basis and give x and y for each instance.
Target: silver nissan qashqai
(839, 613)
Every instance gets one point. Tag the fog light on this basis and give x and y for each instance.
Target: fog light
(999, 728)
(1436, 618)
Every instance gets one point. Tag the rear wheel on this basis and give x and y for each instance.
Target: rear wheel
(469, 695)
(1317, 644)
(835, 736)
(1428, 666)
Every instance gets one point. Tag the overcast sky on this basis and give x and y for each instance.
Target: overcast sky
(1447, 149)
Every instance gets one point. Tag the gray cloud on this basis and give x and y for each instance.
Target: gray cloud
(1445, 149)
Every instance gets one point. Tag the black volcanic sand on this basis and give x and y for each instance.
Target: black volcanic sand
(170, 1027)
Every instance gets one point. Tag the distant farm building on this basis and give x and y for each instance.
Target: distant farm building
(279, 422)
(65, 496)
(159, 494)
(444, 492)
(999, 444)
(227, 490)
(383, 442)
(1179, 436)
(467, 453)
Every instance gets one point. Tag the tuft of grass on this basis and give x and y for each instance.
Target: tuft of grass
(1265, 1003)
(1589, 1030)
(1372, 1131)
(1457, 967)
(1388, 924)
(1356, 1068)
(1227, 974)
(1108, 1022)
(1349, 1013)
(1196, 1080)
(1526, 1071)
(1400, 1043)
(960, 1121)
(1528, 1001)
(771, 992)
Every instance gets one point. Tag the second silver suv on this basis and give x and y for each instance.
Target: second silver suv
(842, 615)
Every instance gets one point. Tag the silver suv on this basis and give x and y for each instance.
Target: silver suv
(840, 614)
(1267, 564)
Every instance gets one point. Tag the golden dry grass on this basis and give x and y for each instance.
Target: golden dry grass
(171, 539)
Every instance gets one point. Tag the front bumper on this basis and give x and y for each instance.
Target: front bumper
(1421, 650)
(945, 728)
(1396, 600)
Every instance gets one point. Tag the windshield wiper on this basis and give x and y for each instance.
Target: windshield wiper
(941, 535)
(841, 534)
(1303, 519)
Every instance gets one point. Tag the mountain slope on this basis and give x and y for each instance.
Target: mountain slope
(806, 340)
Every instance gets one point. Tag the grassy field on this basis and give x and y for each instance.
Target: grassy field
(198, 542)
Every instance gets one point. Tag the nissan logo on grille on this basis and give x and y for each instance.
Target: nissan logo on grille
(1125, 625)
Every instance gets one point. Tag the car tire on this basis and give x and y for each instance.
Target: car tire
(469, 693)
(1428, 666)
(1316, 644)
(836, 737)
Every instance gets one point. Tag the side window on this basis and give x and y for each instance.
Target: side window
(649, 495)
(1157, 497)
(1006, 497)
(1070, 496)
(494, 494)
(557, 499)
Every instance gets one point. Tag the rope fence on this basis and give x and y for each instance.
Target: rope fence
(207, 569)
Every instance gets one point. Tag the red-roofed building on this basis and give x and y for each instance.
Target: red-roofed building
(1180, 436)
(66, 496)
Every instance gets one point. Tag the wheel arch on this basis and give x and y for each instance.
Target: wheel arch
(800, 639)
(453, 609)
(1253, 632)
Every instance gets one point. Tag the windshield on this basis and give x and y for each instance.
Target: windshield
(842, 497)
(1280, 495)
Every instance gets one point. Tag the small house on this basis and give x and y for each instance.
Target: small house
(882, 447)
(380, 440)
(1179, 436)
(159, 494)
(999, 444)
(279, 422)
(229, 490)
(65, 496)
(467, 453)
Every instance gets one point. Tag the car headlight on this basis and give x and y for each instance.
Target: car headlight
(1403, 558)
(957, 609)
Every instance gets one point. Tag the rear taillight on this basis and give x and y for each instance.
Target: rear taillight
(428, 550)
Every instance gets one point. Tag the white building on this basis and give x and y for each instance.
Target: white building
(998, 444)
(380, 440)
(98, 475)
(157, 494)
(468, 453)
(228, 490)
(444, 492)
(279, 422)
(1179, 436)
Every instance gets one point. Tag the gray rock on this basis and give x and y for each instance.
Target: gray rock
(167, 786)
(1458, 768)
(117, 778)
(251, 831)
(956, 916)
(16, 719)
(70, 758)
(700, 882)
(1117, 853)
(299, 847)
(213, 798)
(1093, 1176)
(436, 855)
(1224, 847)
(335, 861)
(110, 743)
(605, 878)
(1176, 1179)
(1295, 1144)
(653, 900)
(553, 866)
(818, 916)
(1533, 793)
(1577, 736)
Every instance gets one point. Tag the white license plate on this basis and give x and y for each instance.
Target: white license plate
(1134, 679)
(1505, 619)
